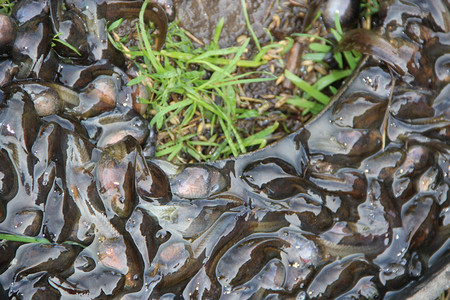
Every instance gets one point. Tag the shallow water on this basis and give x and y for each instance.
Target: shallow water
(355, 204)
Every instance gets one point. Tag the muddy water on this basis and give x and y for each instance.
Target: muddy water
(355, 204)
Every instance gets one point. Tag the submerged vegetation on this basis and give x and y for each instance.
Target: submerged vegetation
(30, 239)
(71, 47)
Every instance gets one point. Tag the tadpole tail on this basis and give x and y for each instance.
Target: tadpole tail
(130, 9)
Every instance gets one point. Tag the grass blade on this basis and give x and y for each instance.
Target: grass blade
(329, 79)
(249, 26)
(23, 239)
(303, 85)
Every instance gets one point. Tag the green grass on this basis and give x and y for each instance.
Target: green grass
(56, 39)
(6, 6)
(23, 239)
(315, 97)
(194, 87)
(30, 239)
(202, 86)
(370, 7)
(197, 85)
(346, 61)
(249, 26)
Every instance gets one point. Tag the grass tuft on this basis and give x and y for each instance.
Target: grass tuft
(192, 87)
(196, 93)
(346, 61)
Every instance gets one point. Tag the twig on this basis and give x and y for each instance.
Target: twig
(291, 64)
(386, 114)
(193, 37)
(267, 14)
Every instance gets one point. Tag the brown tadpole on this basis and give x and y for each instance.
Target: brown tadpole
(313, 7)
(7, 33)
(402, 56)
(372, 43)
(131, 9)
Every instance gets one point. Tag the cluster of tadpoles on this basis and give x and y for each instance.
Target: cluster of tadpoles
(355, 204)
